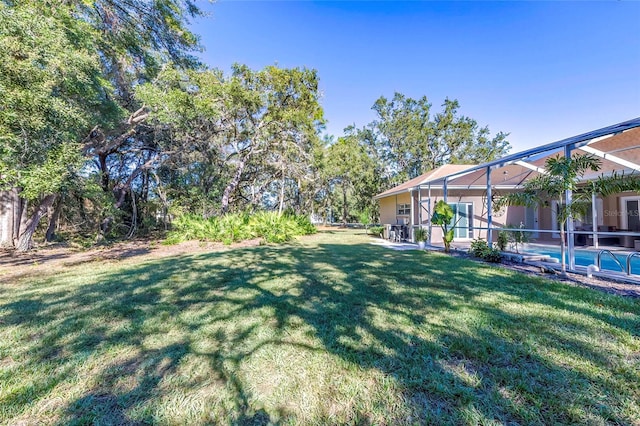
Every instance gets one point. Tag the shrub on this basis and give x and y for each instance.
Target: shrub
(492, 254)
(421, 234)
(273, 228)
(477, 247)
(503, 240)
(518, 237)
(233, 228)
(376, 230)
(364, 217)
(480, 248)
(443, 216)
(305, 227)
(191, 227)
(230, 228)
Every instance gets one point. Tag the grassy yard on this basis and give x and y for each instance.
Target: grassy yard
(327, 330)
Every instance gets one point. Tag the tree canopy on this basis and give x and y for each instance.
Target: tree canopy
(411, 139)
(52, 91)
(110, 125)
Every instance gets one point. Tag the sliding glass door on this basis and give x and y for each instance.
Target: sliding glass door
(462, 220)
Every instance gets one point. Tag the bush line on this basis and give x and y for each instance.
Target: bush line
(230, 228)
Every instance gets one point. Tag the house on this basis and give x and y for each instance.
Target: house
(472, 190)
(411, 203)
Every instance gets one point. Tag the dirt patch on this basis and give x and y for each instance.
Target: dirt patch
(45, 259)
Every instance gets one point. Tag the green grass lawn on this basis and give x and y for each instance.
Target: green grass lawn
(327, 330)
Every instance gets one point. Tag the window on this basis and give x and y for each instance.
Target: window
(404, 209)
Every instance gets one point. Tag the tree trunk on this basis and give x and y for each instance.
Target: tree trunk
(163, 200)
(54, 215)
(104, 172)
(9, 217)
(22, 220)
(144, 190)
(344, 205)
(281, 193)
(298, 197)
(25, 241)
(13, 216)
(226, 196)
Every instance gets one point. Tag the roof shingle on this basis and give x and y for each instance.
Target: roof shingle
(430, 175)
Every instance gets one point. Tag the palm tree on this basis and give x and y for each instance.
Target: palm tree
(562, 174)
(442, 216)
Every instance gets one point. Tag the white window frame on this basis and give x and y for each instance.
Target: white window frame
(404, 207)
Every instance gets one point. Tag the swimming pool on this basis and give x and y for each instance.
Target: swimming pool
(588, 257)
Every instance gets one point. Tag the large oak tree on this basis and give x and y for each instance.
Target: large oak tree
(67, 67)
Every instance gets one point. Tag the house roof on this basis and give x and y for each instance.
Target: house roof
(617, 146)
(440, 172)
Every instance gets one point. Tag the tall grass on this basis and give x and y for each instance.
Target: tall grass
(270, 226)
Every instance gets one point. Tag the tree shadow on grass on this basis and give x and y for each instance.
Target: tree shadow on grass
(437, 326)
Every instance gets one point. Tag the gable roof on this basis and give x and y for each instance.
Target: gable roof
(618, 146)
(617, 140)
(441, 171)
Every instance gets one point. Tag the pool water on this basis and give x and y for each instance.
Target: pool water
(588, 257)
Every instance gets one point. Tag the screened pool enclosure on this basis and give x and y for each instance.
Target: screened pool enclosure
(611, 221)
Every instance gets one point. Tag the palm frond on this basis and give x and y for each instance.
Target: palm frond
(616, 183)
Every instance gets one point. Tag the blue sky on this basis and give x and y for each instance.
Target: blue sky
(541, 71)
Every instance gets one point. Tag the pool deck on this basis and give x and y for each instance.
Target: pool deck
(533, 259)
(464, 245)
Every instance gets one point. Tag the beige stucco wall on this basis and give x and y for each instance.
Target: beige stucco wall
(512, 215)
(611, 205)
(388, 209)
